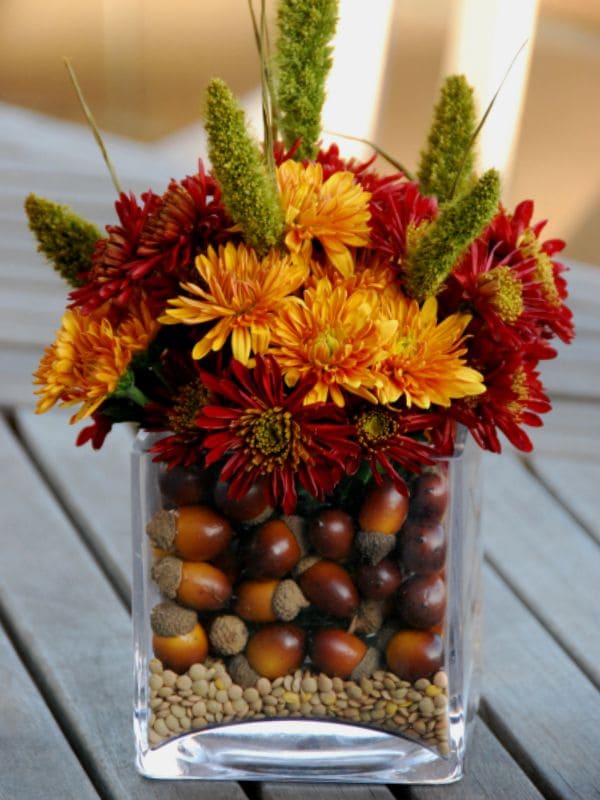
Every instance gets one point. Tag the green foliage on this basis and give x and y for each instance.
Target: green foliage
(249, 193)
(446, 166)
(446, 239)
(303, 58)
(65, 239)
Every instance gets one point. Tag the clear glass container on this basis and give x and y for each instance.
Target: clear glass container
(286, 705)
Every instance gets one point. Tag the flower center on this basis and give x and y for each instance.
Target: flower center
(375, 426)
(519, 387)
(191, 398)
(544, 272)
(270, 437)
(327, 344)
(505, 292)
(406, 345)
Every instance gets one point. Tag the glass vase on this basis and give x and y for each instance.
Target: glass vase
(338, 643)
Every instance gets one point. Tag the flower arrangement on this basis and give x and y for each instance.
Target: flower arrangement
(291, 316)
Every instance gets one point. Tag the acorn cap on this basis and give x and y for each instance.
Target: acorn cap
(162, 529)
(297, 525)
(305, 563)
(167, 573)
(368, 664)
(384, 635)
(169, 619)
(241, 672)
(369, 617)
(228, 635)
(288, 600)
(374, 546)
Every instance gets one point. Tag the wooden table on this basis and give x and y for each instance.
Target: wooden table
(65, 634)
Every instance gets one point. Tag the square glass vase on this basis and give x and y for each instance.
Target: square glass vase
(339, 643)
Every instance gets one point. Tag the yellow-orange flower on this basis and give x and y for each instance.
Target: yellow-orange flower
(335, 211)
(425, 362)
(89, 357)
(243, 293)
(334, 338)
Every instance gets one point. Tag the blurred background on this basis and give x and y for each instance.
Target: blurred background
(144, 64)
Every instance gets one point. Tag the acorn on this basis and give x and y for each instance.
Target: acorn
(429, 497)
(378, 581)
(250, 509)
(422, 546)
(422, 600)
(269, 600)
(228, 635)
(340, 654)
(329, 587)
(178, 639)
(194, 583)
(414, 654)
(276, 649)
(196, 533)
(331, 533)
(183, 486)
(273, 551)
(384, 509)
(254, 601)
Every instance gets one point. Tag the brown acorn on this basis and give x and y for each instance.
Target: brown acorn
(422, 546)
(194, 583)
(429, 497)
(414, 654)
(331, 533)
(196, 533)
(183, 486)
(273, 551)
(276, 649)
(329, 587)
(254, 601)
(178, 639)
(336, 652)
(251, 509)
(422, 600)
(384, 509)
(378, 581)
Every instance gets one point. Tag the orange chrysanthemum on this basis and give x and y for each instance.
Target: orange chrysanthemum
(335, 211)
(243, 293)
(89, 357)
(425, 362)
(333, 338)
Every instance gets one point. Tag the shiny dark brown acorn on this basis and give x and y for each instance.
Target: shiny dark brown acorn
(414, 654)
(276, 649)
(331, 533)
(203, 586)
(422, 600)
(183, 486)
(429, 496)
(195, 533)
(422, 546)
(384, 509)
(378, 581)
(336, 652)
(251, 509)
(273, 552)
(329, 587)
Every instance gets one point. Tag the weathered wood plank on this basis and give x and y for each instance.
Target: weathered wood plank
(94, 485)
(16, 367)
(571, 431)
(576, 371)
(76, 632)
(36, 758)
(538, 702)
(545, 556)
(575, 483)
(325, 791)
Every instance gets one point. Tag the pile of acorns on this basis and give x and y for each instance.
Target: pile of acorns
(328, 590)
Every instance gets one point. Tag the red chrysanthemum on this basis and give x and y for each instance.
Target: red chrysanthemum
(95, 433)
(398, 210)
(261, 430)
(514, 397)
(385, 439)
